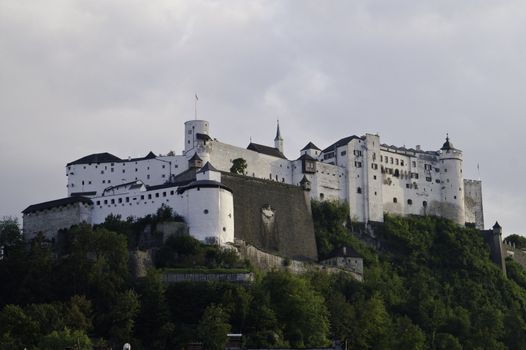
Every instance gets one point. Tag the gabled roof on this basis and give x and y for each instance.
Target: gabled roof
(150, 155)
(270, 151)
(195, 157)
(207, 167)
(82, 194)
(310, 145)
(56, 203)
(306, 157)
(341, 142)
(97, 158)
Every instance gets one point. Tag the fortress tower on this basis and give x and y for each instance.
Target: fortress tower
(196, 137)
(452, 183)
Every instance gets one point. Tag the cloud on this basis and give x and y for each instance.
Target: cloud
(79, 77)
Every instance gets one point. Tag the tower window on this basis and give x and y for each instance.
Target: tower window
(410, 201)
(395, 200)
(359, 190)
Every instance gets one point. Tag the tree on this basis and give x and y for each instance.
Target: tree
(213, 328)
(517, 240)
(123, 316)
(10, 234)
(239, 165)
(66, 338)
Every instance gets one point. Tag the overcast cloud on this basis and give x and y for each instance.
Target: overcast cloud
(80, 77)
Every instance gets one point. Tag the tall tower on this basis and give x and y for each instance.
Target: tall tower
(278, 140)
(194, 132)
(452, 180)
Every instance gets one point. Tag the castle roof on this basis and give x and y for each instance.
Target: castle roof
(108, 158)
(207, 167)
(56, 203)
(447, 145)
(270, 151)
(195, 157)
(310, 145)
(204, 137)
(496, 226)
(341, 142)
(202, 184)
(306, 157)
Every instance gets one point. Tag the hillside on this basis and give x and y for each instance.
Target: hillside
(431, 285)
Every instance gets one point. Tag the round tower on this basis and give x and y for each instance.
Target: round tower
(195, 133)
(452, 183)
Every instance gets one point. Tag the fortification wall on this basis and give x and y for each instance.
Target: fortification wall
(50, 221)
(473, 203)
(518, 255)
(272, 216)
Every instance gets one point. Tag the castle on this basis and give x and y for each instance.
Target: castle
(373, 178)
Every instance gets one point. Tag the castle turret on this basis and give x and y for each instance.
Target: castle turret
(195, 134)
(278, 140)
(452, 180)
(311, 150)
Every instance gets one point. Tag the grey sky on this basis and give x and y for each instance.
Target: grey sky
(79, 77)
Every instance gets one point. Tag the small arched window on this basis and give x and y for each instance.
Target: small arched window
(359, 190)
(395, 200)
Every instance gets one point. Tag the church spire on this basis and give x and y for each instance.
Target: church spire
(278, 134)
(278, 140)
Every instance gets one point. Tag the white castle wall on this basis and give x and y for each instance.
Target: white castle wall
(98, 176)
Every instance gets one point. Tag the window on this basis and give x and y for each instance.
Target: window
(112, 170)
(105, 201)
(414, 164)
(149, 196)
(357, 153)
(127, 199)
(374, 166)
(164, 194)
(381, 158)
(113, 201)
(102, 171)
(359, 190)
(205, 211)
(148, 176)
(437, 181)
(407, 185)
(82, 182)
(328, 155)
(157, 195)
(424, 203)
(410, 201)
(172, 192)
(322, 196)
(142, 196)
(123, 171)
(402, 162)
(437, 170)
(392, 160)
(98, 202)
(427, 167)
(358, 164)
(428, 179)
(343, 153)
(396, 161)
(163, 175)
(120, 200)
(395, 200)
(374, 177)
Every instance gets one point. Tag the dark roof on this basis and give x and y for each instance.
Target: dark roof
(270, 151)
(447, 145)
(108, 158)
(97, 158)
(181, 179)
(56, 203)
(307, 157)
(304, 180)
(150, 155)
(310, 145)
(341, 142)
(195, 157)
(202, 184)
(207, 167)
(200, 136)
(82, 194)
(496, 226)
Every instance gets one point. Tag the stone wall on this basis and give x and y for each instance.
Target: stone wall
(266, 261)
(50, 221)
(272, 216)
(518, 255)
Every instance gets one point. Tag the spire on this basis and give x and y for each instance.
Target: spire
(278, 141)
(278, 134)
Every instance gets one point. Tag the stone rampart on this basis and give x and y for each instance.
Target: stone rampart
(272, 216)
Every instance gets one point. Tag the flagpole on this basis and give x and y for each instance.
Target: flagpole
(195, 106)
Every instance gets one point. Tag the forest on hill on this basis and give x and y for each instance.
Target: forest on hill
(430, 286)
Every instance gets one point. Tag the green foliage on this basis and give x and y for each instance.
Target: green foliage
(66, 338)
(239, 165)
(10, 235)
(517, 240)
(213, 328)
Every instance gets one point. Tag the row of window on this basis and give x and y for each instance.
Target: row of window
(141, 197)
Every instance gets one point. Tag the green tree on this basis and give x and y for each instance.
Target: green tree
(10, 234)
(122, 316)
(66, 338)
(214, 328)
(299, 308)
(239, 166)
(17, 329)
(518, 240)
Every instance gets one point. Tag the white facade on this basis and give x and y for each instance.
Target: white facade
(371, 177)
